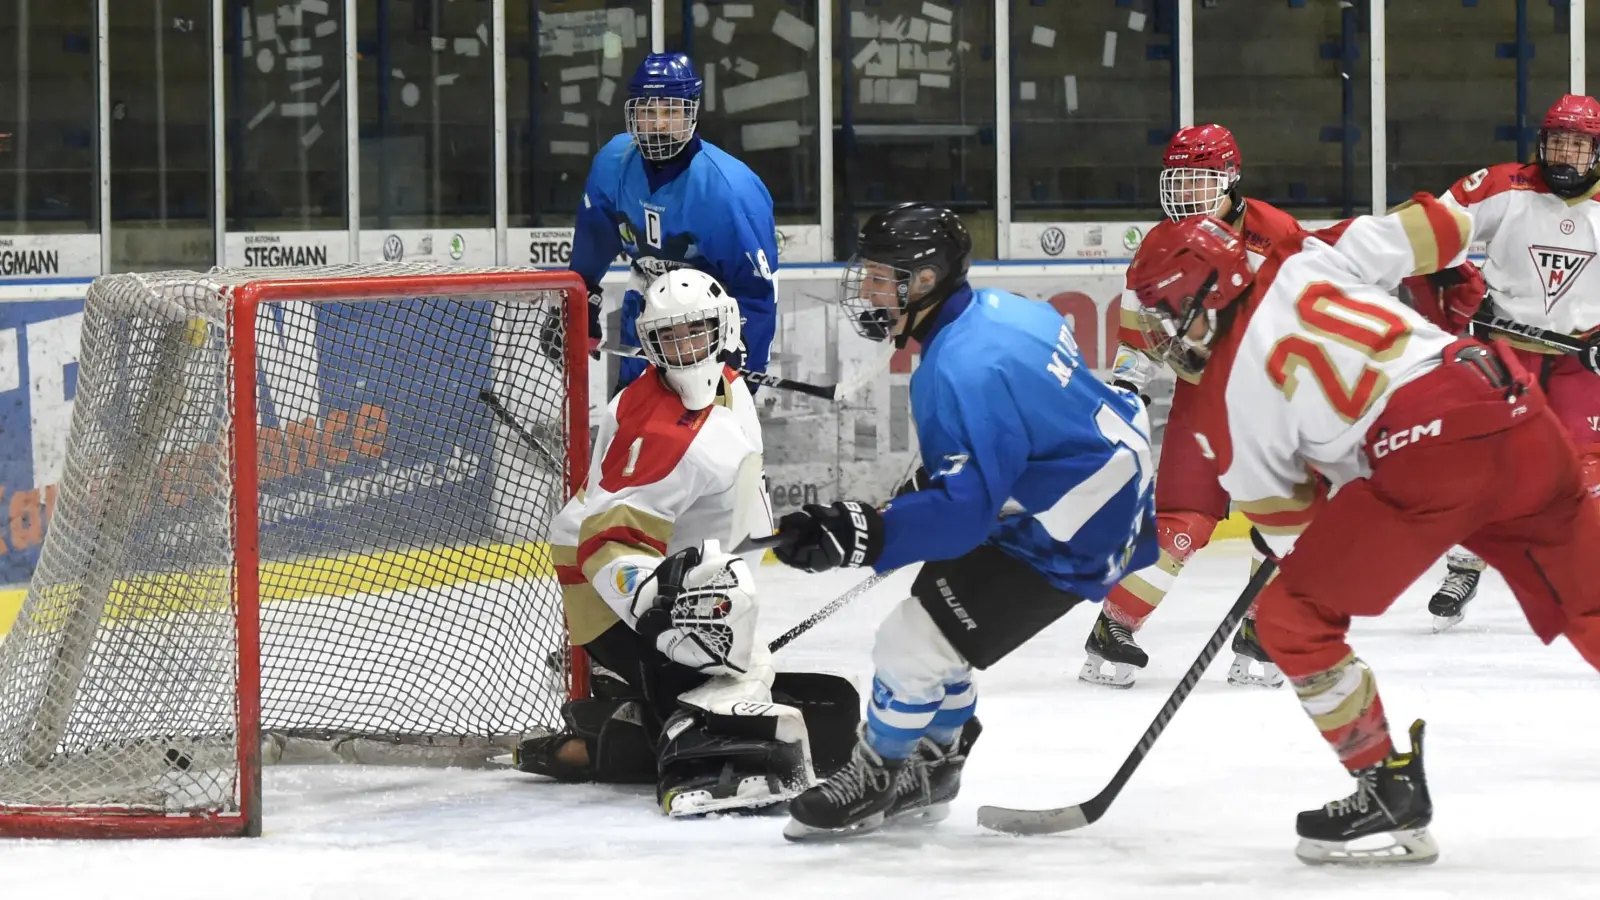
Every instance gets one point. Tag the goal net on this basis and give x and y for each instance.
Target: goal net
(303, 509)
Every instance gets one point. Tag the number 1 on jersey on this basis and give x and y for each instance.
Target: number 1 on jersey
(1130, 457)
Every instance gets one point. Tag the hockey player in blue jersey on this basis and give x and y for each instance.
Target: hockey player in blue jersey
(670, 200)
(1040, 497)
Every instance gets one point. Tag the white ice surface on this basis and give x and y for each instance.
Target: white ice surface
(1512, 758)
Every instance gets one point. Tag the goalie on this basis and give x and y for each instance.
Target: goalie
(689, 700)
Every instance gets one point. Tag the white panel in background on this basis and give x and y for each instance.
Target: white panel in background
(442, 246)
(868, 51)
(297, 110)
(708, 97)
(482, 31)
(800, 244)
(580, 73)
(862, 25)
(1135, 20)
(278, 250)
(52, 346)
(770, 135)
(300, 87)
(1108, 53)
(611, 66)
(608, 89)
(894, 29)
(935, 11)
(747, 68)
(302, 63)
(10, 361)
(940, 61)
(917, 30)
(569, 148)
(261, 116)
(1027, 90)
(311, 135)
(266, 27)
(299, 45)
(903, 91)
(866, 90)
(575, 118)
(766, 92)
(466, 47)
(572, 93)
(329, 95)
(439, 44)
(885, 65)
(939, 33)
(317, 7)
(722, 30)
(446, 80)
(1044, 37)
(934, 79)
(1070, 83)
(700, 14)
(738, 11)
(910, 57)
(24, 256)
(795, 30)
(324, 29)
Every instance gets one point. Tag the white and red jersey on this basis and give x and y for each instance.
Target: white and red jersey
(1540, 247)
(1318, 347)
(662, 478)
(1262, 227)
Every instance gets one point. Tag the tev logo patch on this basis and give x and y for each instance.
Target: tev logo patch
(1558, 268)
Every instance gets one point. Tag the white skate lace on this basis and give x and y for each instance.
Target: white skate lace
(1119, 633)
(850, 783)
(1457, 585)
(1363, 799)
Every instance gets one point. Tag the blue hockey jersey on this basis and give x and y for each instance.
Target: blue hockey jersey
(703, 209)
(1005, 410)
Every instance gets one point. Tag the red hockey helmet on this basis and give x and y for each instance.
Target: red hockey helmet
(1184, 274)
(1199, 170)
(1569, 145)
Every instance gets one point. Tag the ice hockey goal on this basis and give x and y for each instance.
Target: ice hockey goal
(303, 508)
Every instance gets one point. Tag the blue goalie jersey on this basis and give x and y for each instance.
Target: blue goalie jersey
(703, 209)
(1006, 411)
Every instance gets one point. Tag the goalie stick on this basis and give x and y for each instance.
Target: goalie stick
(1067, 818)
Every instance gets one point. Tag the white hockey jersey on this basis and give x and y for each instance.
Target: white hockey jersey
(1262, 227)
(661, 478)
(1319, 347)
(1540, 248)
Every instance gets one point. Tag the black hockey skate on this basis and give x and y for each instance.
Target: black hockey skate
(932, 778)
(1251, 664)
(1449, 603)
(1111, 645)
(854, 800)
(1385, 822)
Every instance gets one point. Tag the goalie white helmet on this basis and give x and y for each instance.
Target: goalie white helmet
(688, 322)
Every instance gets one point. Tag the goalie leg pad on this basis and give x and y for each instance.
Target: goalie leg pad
(732, 755)
(621, 747)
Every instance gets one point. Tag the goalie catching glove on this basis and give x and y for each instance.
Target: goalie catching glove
(698, 607)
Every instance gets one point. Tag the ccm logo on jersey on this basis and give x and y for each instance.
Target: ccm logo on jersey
(1387, 444)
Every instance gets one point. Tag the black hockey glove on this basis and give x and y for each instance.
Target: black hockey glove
(819, 538)
(596, 299)
(668, 582)
(1590, 354)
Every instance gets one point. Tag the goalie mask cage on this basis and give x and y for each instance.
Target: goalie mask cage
(301, 510)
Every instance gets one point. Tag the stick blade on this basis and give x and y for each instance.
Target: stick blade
(1032, 821)
(756, 542)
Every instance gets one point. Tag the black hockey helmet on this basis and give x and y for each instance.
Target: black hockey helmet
(893, 248)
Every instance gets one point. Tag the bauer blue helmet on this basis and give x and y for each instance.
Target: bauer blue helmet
(663, 105)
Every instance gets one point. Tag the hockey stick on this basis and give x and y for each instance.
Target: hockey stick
(1553, 339)
(833, 606)
(1066, 818)
(825, 391)
(492, 400)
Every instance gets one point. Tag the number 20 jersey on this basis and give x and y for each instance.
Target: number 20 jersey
(1320, 345)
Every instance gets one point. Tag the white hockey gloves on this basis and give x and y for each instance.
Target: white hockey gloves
(699, 608)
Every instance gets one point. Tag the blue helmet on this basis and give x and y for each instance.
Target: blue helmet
(663, 105)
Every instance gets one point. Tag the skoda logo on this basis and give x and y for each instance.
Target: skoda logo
(1131, 238)
(394, 249)
(458, 246)
(1053, 241)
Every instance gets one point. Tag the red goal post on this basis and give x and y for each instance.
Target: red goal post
(293, 522)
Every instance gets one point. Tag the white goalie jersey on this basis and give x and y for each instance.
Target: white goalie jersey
(661, 478)
(1540, 247)
(1291, 390)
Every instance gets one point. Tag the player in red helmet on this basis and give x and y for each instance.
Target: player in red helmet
(1316, 377)
(1199, 177)
(1539, 223)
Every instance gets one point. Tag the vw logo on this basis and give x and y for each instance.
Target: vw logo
(1052, 241)
(394, 249)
